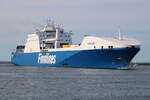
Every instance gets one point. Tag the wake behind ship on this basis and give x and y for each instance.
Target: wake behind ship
(52, 46)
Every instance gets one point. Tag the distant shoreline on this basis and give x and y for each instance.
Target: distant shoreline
(141, 63)
(5, 62)
(132, 63)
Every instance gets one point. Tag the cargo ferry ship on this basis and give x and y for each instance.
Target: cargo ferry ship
(52, 46)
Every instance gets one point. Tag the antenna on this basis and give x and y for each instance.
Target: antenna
(50, 22)
(119, 34)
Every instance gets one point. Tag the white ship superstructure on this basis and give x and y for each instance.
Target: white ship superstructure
(51, 37)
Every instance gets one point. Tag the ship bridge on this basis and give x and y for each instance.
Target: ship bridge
(50, 37)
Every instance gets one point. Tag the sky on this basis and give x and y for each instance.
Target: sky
(93, 17)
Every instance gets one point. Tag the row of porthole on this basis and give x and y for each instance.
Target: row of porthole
(103, 46)
(131, 47)
(112, 47)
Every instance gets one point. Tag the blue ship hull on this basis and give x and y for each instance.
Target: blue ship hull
(95, 58)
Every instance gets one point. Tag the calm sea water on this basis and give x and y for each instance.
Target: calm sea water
(46, 83)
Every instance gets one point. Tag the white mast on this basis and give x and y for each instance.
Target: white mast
(56, 41)
(119, 34)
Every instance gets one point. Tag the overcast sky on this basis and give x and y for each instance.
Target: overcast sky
(100, 17)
